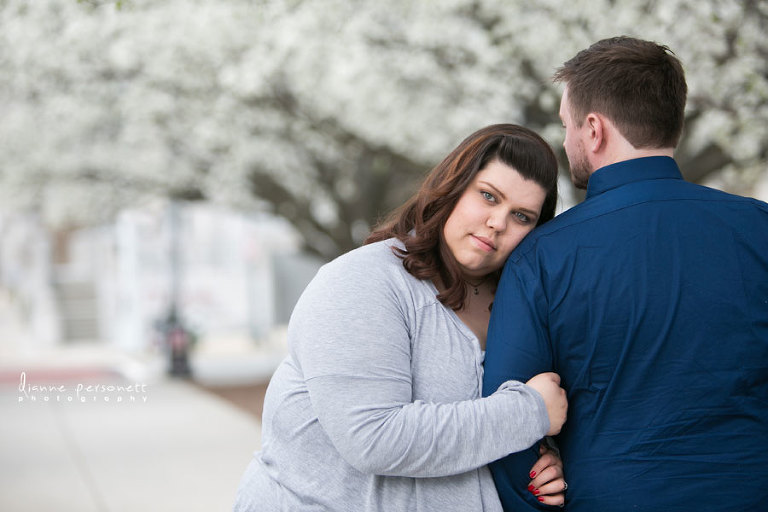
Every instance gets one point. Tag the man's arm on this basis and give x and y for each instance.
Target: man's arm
(517, 348)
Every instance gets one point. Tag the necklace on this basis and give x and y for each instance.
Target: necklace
(474, 286)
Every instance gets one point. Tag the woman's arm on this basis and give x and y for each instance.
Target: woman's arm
(377, 432)
(351, 335)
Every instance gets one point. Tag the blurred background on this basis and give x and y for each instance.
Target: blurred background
(173, 173)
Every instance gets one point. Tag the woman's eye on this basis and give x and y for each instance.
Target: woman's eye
(488, 196)
(522, 217)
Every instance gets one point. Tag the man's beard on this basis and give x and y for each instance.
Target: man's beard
(580, 171)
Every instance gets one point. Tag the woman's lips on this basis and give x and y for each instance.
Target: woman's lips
(485, 244)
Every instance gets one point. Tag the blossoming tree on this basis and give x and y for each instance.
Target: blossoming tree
(328, 111)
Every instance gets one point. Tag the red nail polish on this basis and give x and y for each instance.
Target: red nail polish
(531, 488)
(536, 491)
(533, 474)
(541, 499)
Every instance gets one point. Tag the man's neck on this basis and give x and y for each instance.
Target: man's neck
(627, 152)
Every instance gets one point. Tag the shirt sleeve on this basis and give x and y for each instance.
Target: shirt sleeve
(517, 348)
(351, 331)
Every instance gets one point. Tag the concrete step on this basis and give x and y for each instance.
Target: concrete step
(78, 307)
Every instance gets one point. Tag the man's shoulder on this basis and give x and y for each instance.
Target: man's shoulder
(562, 227)
(600, 207)
(592, 214)
(732, 206)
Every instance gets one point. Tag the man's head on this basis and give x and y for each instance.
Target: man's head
(638, 86)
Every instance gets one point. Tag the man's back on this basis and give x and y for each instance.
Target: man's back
(651, 301)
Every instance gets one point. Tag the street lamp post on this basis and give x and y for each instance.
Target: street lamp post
(177, 338)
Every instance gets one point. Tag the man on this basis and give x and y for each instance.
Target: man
(650, 299)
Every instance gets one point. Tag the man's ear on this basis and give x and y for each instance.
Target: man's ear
(595, 125)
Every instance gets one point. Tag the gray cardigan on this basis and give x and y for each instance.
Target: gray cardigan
(377, 407)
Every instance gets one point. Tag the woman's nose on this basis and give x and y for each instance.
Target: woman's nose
(497, 220)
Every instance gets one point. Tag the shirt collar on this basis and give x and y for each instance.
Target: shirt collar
(629, 171)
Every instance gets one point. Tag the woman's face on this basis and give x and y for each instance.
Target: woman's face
(492, 216)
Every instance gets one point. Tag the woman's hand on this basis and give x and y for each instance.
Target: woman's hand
(548, 386)
(547, 483)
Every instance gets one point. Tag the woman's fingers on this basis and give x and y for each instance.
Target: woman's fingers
(549, 486)
(548, 459)
(547, 480)
(557, 500)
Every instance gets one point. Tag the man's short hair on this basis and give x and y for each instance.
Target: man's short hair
(639, 85)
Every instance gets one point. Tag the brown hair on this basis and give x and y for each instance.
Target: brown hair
(639, 85)
(419, 222)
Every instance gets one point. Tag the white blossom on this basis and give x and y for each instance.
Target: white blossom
(306, 107)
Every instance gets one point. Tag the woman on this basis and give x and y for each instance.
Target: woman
(377, 406)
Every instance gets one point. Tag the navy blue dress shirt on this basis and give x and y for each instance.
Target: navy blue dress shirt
(650, 299)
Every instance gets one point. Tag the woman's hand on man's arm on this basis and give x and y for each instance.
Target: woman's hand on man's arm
(548, 483)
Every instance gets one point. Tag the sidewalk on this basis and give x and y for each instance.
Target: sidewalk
(134, 440)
